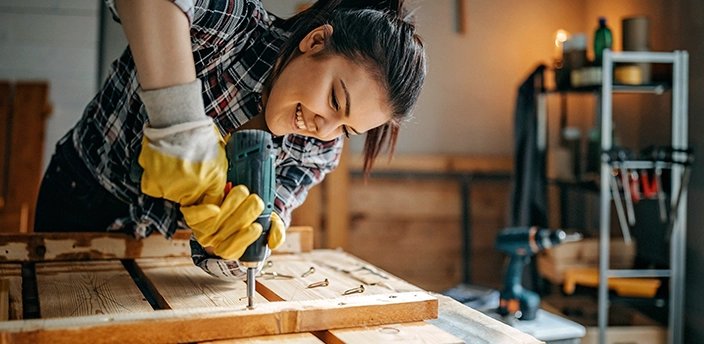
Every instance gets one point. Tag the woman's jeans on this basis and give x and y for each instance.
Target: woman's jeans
(71, 199)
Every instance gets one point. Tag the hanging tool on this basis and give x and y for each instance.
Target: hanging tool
(521, 243)
(686, 159)
(251, 157)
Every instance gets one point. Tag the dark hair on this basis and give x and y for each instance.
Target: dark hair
(381, 36)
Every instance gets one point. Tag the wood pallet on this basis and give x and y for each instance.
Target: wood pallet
(134, 297)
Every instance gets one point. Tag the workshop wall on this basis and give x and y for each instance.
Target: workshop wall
(55, 41)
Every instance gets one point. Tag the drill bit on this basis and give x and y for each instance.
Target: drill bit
(251, 282)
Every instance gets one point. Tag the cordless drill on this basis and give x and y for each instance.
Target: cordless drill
(250, 155)
(521, 243)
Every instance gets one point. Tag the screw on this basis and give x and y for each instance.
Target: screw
(359, 289)
(324, 283)
(267, 265)
(310, 271)
(275, 274)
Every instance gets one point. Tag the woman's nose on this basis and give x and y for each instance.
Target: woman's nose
(327, 125)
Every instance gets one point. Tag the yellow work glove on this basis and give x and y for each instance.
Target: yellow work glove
(230, 228)
(183, 153)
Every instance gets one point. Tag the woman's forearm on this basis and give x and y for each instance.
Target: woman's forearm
(158, 33)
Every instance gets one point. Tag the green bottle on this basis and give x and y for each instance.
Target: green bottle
(602, 40)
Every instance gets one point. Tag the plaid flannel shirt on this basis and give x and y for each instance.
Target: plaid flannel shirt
(235, 45)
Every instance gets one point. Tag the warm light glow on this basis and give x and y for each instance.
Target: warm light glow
(560, 37)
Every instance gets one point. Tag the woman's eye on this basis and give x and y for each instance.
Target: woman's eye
(334, 101)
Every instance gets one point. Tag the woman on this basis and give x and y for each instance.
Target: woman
(149, 150)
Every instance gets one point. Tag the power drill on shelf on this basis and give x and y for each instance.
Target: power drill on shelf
(250, 155)
(521, 243)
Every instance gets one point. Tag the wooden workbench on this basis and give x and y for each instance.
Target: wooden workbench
(110, 288)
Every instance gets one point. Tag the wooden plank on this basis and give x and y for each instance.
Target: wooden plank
(4, 299)
(310, 213)
(293, 338)
(83, 246)
(178, 284)
(473, 326)
(30, 109)
(86, 288)
(415, 332)
(201, 324)
(5, 108)
(12, 273)
(342, 271)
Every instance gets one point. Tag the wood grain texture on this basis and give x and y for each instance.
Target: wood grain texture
(415, 332)
(4, 299)
(342, 271)
(294, 338)
(13, 274)
(201, 324)
(337, 185)
(87, 288)
(178, 284)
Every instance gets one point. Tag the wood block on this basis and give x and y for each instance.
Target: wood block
(416, 332)
(553, 262)
(294, 338)
(12, 273)
(201, 324)
(342, 271)
(177, 283)
(87, 288)
(298, 239)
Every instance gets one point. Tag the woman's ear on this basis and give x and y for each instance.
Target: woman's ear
(315, 40)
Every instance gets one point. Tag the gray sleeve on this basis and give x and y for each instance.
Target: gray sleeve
(186, 7)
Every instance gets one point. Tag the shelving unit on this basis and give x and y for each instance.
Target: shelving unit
(676, 271)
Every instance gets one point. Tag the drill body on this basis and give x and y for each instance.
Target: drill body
(520, 243)
(250, 155)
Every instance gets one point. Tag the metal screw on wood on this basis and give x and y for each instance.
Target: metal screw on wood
(275, 274)
(324, 283)
(267, 265)
(359, 289)
(310, 271)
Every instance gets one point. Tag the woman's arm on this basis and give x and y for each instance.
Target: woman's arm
(158, 33)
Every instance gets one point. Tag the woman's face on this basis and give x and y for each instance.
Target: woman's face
(324, 97)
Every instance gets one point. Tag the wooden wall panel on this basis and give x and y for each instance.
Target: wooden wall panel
(5, 110)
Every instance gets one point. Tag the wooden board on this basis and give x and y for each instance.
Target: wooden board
(294, 338)
(200, 324)
(342, 270)
(87, 288)
(178, 284)
(83, 246)
(416, 332)
(13, 274)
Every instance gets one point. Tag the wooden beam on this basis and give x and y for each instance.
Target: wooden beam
(87, 288)
(415, 332)
(12, 273)
(178, 284)
(23, 247)
(200, 324)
